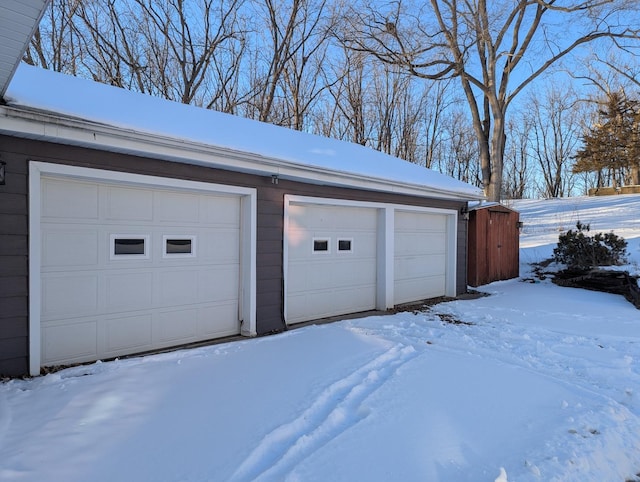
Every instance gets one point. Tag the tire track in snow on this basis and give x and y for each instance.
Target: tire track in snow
(337, 408)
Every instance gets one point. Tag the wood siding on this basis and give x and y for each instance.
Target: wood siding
(269, 290)
(14, 250)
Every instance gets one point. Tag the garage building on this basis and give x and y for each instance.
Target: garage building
(130, 224)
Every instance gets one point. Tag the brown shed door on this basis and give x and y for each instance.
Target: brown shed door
(502, 246)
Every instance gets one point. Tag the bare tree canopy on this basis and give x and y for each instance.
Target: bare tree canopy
(430, 81)
(495, 48)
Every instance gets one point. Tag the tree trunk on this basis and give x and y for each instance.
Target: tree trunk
(498, 140)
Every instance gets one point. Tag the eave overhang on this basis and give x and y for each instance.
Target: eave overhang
(52, 127)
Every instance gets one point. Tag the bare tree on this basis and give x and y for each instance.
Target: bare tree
(290, 43)
(517, 169)
(54, 43)
(457, 155)
(348, 95)
(495, 49)
(189, 39)
(554, 122)
(172, 48)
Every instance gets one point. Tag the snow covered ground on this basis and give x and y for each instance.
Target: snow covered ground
(538, 383)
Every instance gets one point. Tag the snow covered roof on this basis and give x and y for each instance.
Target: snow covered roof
(474, 206)
(51, 106)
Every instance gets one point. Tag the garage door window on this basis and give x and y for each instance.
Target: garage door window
(129, 246)
(179, 246)
(345, 245)
(321, 245)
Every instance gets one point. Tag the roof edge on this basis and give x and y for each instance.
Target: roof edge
(25, 44)
(53, 127)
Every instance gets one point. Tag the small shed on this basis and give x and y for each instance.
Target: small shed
(493, 243)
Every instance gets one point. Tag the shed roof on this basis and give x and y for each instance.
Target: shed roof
(491, 205)
(51, 106)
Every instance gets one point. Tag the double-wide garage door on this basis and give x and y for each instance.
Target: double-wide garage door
(338, 257)
(128, 268)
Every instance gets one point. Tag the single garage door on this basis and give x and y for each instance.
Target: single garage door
(331, 267)
(420, 258)
(126, 269)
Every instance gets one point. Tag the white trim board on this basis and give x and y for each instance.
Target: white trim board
(37, 169)
(385, 243)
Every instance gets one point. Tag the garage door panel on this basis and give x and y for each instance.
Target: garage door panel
(221, 210)
(128, 204)
(124, 334)
(297, 280)
(330, 275)
(420, 244)
(424, 289)
(305, 306)
(413, 267)
(219, 246)
(96, 304)
(129, 291)
(414, 221)
(218, 285)
(356, 272)
(300, 245)
(178, 287)
(177, 207)
(77, 200)
(175, 327)
(356, 219)
(344, 299)
(299, 308)
(68, 295)
(313, 305)
(318, 218)
(331, 282)
(363, 246)
(420, 255)
(297, 239)
(327, 218)
(70, 247)
(70, 342)
(218, 320)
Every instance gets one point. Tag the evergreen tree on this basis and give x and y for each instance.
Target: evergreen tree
(613, 144)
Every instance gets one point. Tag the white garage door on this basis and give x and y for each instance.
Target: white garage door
(127, 269)
(331, 268)
(420, 260)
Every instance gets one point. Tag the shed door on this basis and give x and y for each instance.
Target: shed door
(126, 269)
(331, 267)
(502, 245)
(420, 261)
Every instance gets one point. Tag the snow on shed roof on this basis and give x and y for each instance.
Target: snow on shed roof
(99, 104)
